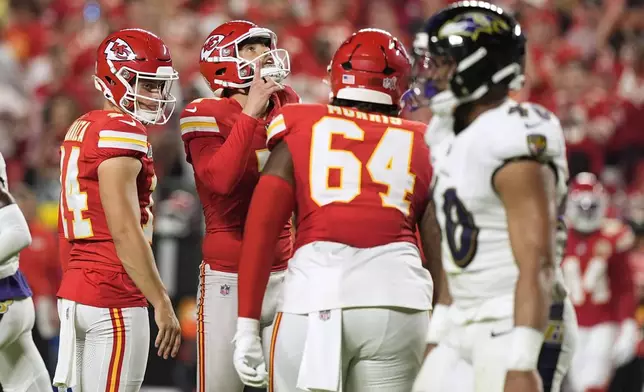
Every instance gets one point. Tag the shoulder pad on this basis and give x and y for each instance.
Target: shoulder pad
(285, 122)
(200, 117)
(524, 131)
(611, 227)
(120, 132)
(288, 95)
(619, 233)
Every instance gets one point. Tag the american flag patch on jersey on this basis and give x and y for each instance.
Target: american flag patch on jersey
(348, 79)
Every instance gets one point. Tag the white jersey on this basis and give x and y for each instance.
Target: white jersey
(9, 266)
(477, 254)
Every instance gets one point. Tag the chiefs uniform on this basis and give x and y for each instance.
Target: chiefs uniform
(361, 184)
(103, 314)
(600, 284)
(227, 150)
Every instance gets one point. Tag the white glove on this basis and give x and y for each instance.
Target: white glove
(626, 343)
(247, 355)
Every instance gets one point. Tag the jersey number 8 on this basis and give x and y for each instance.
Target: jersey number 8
(389, 164)
(460, 231)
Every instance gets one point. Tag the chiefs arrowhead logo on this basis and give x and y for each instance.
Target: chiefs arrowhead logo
(210, 45)
(119, 50)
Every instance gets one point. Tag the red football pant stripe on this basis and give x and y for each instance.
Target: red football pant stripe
(118, 351)
(271, 360)
(201, 336)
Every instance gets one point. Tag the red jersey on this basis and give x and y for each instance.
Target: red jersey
(361, 179)
(94, 274)
(227, 150)
(597, 274)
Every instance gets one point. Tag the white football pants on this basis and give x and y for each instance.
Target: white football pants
(487, 355)
(110, 347)
(592, 364)
(217, 324)
(380, 349)
(21, 367)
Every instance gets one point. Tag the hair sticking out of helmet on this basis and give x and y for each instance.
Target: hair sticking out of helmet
(370, 66)
(466, 51)
(587, 203)
(224, 62)
(134, 72)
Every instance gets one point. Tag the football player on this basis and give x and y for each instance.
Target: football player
(107, 177)
(21, 366)
(600, 284)
(501, 176)
(225, 141)
(356, 296)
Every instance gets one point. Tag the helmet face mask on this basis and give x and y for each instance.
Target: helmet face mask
(148, 96)
(485, 45)
(587, 203)
(430, 86)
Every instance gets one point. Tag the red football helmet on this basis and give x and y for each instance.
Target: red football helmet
(134, 71)
(587, 203)
(370, 66)
(221, 65)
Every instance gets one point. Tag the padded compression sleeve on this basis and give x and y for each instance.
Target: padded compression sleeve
(270, 208)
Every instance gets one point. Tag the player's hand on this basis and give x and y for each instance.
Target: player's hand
(522, 381)
(169, 337)
(429, 348)
(260, 92)
(247, 355)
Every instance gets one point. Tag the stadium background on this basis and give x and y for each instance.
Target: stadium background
(585, 63)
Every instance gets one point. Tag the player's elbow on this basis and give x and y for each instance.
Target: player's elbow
(218, 182)
(15, 231)
(23, 239)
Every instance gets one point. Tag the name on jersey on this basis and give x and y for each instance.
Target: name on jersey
(351, 113)
(76, 132)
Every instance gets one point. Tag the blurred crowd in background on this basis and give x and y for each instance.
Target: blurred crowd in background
(585, 63)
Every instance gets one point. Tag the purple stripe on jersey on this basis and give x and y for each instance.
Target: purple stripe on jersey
(14, 286)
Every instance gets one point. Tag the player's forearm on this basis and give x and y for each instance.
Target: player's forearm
(533, 295)
(270, 208)
(444, 296)
(431, 241)
(135, 253)
(226, 167)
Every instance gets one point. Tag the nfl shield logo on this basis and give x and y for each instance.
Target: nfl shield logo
(224, 289)
(325, 315)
